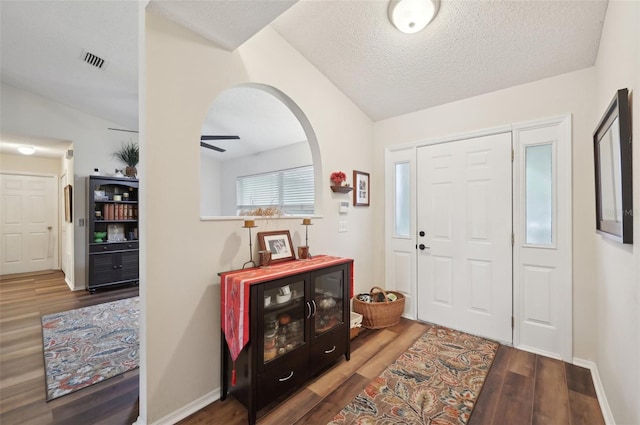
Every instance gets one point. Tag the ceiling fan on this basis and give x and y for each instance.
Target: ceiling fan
(216, 148)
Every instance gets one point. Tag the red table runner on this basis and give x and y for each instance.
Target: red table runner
(234, 294)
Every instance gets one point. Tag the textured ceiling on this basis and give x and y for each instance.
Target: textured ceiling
(470, 48)
(42, 45)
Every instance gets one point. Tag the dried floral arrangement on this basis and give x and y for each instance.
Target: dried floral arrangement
(263, 212)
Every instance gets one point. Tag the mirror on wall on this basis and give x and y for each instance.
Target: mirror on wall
(255, 155)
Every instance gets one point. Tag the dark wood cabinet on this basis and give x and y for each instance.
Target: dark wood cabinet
(112, 232)
(298, 326)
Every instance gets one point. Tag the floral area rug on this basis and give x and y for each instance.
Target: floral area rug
(90, 344)
(435, 382)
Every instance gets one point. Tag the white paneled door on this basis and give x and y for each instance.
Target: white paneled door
(28, 220)
(464, 225)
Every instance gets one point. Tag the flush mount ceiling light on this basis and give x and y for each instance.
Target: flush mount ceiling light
(26, 150)
(411, 16)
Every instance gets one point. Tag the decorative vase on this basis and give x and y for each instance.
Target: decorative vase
(131, 172)
(337, 182)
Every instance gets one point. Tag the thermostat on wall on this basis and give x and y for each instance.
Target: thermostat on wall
(344, 206)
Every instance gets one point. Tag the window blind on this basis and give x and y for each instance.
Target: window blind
(291, 190)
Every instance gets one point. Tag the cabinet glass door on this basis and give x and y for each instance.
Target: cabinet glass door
(328, 298)
(284, 318)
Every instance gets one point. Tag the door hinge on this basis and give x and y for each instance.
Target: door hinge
(513, 154)
(513, 239)
(513, 321)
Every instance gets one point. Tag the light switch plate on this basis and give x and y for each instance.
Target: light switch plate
(343, 226)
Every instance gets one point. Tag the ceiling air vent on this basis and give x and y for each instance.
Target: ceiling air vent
(93, 60)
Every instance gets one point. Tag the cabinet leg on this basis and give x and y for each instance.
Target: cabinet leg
(223, 366)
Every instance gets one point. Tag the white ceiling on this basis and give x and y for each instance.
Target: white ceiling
(45, 147)
(471, 47)
(261, 121)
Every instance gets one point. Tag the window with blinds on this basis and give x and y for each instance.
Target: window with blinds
(292, 191)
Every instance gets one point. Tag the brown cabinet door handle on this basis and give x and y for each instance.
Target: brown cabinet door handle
(286, 378)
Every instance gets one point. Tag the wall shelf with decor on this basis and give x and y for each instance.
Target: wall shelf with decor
(112, 232)
(341, 189)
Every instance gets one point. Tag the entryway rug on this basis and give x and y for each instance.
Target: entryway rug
(436, 382)
(90, 344)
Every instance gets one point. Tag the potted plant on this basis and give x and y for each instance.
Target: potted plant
(129, 154)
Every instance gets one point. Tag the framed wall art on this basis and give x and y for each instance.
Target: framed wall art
(68, 202)
(279, 243)
(361, 189)
(614, 177)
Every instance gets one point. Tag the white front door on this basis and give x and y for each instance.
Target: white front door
(464, 237)
(28, 223)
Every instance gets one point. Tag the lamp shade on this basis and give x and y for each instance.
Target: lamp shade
(411, 16)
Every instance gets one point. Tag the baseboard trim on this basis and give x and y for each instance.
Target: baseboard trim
(597, 383)
(187, 410)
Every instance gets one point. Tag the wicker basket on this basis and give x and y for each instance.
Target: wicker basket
(378, 315)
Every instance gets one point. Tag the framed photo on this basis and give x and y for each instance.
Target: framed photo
(115, 233)
(279, 243)
(68, 201)
(361, 189)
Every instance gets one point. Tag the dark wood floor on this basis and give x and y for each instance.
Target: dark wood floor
(521, 388)
(24, 299)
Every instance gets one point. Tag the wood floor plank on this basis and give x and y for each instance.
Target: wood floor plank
(291, 410)
(552, 405)
(522, 363)
(485, 406)
(579, 380)
(515, 405)
(585, 410)
(376, 366)
(324, 411)
(340, 373)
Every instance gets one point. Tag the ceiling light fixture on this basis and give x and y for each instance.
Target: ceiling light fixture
(26, 150)
(411, 16)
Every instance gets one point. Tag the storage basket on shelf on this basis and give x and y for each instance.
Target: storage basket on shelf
(378, 315)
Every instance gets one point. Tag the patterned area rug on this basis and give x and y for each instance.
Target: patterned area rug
(435, 382)
(90, 344)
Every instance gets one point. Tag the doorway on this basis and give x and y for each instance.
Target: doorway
(29, 223)
(444, 220)
(464, 235)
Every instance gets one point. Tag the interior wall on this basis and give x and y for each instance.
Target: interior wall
(617, 266)
(27, 114)
(30, 164)
(211, 183)
(570, 93)
(184, 73)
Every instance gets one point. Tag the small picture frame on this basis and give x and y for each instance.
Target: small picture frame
(279, 243)
(361, 189)
(115, 233)
(68, 202)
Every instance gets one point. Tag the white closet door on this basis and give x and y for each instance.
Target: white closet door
(465, 256)
(28, 223)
